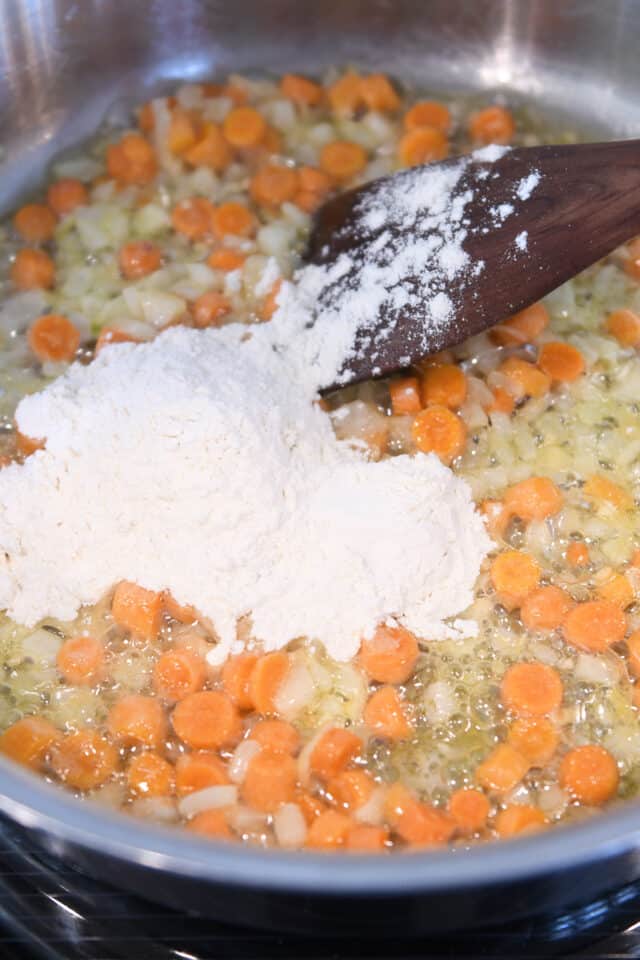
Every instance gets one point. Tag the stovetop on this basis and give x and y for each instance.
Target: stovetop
(50, 912)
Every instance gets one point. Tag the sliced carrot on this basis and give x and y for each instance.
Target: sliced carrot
(492, 125)
(210, 309)
(386, 715)
(303, 92)
(233, 219)
(35, 223)
(273, 185)
(598, 488)
(390, 655)
(270, 780)
(526, 376)
(65, 195)
(577, 553)
(211, 823)
(333, 751)
(178, 673)
(226, 259)
(561, 361)
(495, 516)
(351, 788)
(444, 384)
(80, 660)
(207, 720)
(502, 770)
(517, 818)
(308, 201)
(183, 131)
(199, 770)
(624, 325)
(110, 335)
(618, 590)
(531, 689)
(266, 679)
(514, 575)
(132, 161)
(314, 180)
(178, 611)
(83, 760)
(533, 499)
(276, 735)
(378, 93)
(32, 270)
(535, 738)
(405, 396)
(589, 774)
(503, 402)
(328, 831)
(428, 113)
(422, 145)
(545, 608)
(27, 445)
(236, 674)
(416, 823)
(345, 95)
(633, 648)
(137, 610)
(363, 838)
(244, 127)
(53, 337)
(210, 150)
(522, 327)
(138, 719)
(150, 775)
(138, 258)
(310, 804)
(438, 430)
(270, 302)
(28, 741)
(594, 625)
(193, 218)
(272, 143)
(469, 809)
(342, 160)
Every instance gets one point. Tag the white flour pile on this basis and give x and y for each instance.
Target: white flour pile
(199, 463)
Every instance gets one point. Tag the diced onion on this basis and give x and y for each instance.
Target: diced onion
(242, 756)
(290, 826)
(208, 799)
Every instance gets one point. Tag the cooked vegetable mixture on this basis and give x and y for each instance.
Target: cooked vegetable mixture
(417, 743)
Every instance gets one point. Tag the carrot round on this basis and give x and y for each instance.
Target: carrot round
(178, 673)
(438, 430)
(333, 751)
(444, 384)
(343, 159)
(244, 127)
(303, 92)
(345, 95)
(199, 770)
(132, 161)
(138, 719)
(270, 303)
(183, 131)
(533, 499)
(390, 655)
(211, 823)
(276, 735)
(273, 185)
(138, 258)
(522, 327)
(35, 223)
(207, 720)
(80, 660)
(589, 774)
(577, 554)
(193, 218)
(32, 270)
(363, 838)
(378, 93)
(492, 125)
(236, 673)
(594, 625)
(515, 575)
(53, 337)
(270, 780)
(618, 590)
(422, 145)
(502, 770)
(418, 824)
(110, 335)
(351, 788)
(503, 402)
(233, 219)
(84, 760)
(495, 516)
(178, 611)
(519, 818)
(150, 775)
(211, 150)
(545, 608)
(624, 325)
(531, 689)
(536, 738)
(561, 361)
(28, 741)
(526, 376)
(386, 715)
(328, 831)
(266, 678)
(600, 488)
(310, 803)
(312, 180)
(137, 610)
(428, 113)
(210, 309)
(226, 259)
(65, 195)
(469, 809)
(405, 396)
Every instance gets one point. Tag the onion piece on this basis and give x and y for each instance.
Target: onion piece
(242, 756)
(290, 826)
(210, 798)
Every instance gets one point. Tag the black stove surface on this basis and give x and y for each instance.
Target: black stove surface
(49, 912)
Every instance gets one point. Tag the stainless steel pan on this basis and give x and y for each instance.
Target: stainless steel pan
(63, 64)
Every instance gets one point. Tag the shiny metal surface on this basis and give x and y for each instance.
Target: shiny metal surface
(63, 65)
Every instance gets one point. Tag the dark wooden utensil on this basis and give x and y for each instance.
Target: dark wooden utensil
(586, 203)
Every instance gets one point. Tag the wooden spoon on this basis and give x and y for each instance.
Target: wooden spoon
(586, 203)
